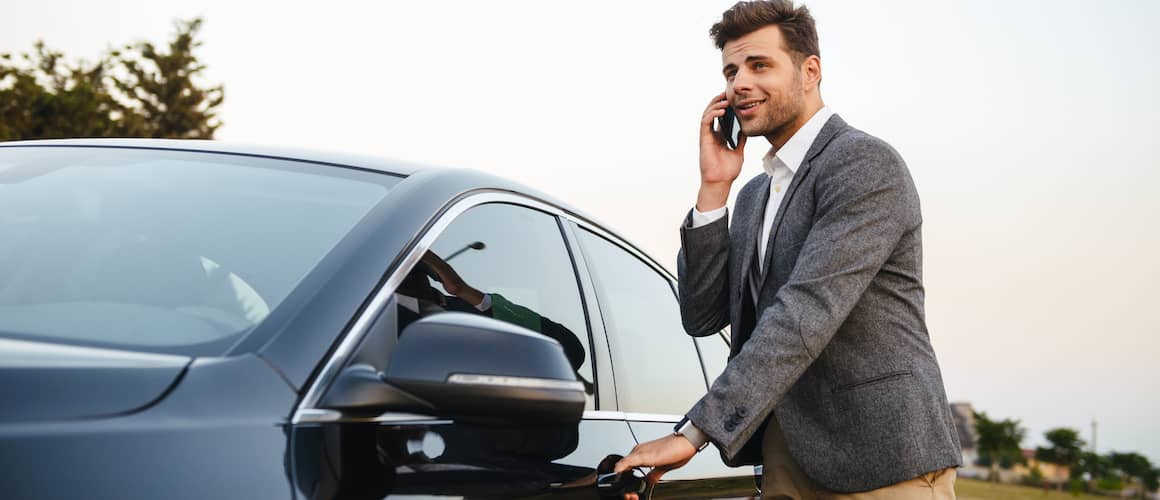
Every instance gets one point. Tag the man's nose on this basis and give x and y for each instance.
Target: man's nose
(742, 83)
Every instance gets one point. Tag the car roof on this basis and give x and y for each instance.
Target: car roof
(480, 179)
(368, 162)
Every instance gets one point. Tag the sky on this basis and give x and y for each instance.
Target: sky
(1029, 128)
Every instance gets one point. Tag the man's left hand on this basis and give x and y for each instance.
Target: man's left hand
(663, 455)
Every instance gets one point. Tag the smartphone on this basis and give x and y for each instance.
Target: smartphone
(728, 129)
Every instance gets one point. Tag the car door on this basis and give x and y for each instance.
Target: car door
(500, 256)
(657, 367)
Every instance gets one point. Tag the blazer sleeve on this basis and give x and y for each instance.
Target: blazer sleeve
(702, 276)
(865, 201)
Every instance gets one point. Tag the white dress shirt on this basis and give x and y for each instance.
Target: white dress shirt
(780, 165)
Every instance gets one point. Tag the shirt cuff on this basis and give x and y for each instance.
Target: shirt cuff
(486, 304)
(704, 219)
(695, 436)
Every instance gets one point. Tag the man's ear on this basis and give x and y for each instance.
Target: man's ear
(811, 71)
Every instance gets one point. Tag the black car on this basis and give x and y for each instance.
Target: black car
(186, 319)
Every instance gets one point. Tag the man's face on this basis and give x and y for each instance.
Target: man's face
(763, 84)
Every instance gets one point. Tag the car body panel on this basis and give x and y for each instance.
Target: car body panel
(442, 458)
(86, 382)
(220, 433)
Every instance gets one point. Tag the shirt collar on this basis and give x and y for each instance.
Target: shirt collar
(794, 151)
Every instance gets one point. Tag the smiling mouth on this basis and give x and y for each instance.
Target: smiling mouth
(751, 105)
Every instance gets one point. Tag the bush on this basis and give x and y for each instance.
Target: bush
(1076, 486)
(1110, 483)
(1035, 478)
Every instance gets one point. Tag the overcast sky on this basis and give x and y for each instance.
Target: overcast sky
(1029, 128)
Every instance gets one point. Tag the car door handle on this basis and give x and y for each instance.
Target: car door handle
(610, 485)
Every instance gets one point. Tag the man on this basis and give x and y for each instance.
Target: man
(832, 383)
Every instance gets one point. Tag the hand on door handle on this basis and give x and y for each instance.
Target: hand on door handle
(628, 485)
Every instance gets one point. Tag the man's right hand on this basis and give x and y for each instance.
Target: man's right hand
(450, 279)
(720, 166)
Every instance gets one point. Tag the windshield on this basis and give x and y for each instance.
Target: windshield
(163, 251)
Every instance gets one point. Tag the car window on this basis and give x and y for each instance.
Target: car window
(162, 251)
(510, 263)
(655, 363)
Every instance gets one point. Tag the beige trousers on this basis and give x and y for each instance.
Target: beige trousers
(782, 479)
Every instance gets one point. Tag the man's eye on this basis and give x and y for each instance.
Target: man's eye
(760, 65)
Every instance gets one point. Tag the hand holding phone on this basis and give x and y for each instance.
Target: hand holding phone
(728, 129)
(722, 152)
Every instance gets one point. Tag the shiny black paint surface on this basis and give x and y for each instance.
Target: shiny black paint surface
(85, 382)
(223, 429)
(458, 459)
(220, 433)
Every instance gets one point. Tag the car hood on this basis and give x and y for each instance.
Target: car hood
(41, 381)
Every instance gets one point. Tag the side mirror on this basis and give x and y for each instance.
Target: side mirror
(468, 366)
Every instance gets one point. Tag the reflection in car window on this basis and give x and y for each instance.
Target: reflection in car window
(656, 365)
(162, 251)
(508, 263)
(714, 355)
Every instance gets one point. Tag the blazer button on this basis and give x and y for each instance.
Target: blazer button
(741, 412)
(730, 426)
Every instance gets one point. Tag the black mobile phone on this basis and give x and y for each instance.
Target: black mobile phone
(728, 129)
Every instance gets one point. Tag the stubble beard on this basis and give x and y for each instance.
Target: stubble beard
(778, 116)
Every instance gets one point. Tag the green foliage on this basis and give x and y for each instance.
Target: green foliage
(1151, 480)
(138, 92)
(1134, 466)
(1075, 487)
(1007, 460)
(1091, 463)
(998, 445)
(43, 97)
(1065, 450)
(1034, 478)
(163, 100)
(999, 440)
(1110, 483)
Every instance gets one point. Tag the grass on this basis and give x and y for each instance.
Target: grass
(973, 489)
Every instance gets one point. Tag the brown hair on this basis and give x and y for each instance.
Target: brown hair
(796, 25)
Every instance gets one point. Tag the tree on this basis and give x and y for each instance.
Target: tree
(1151, 480)
(137, 92)
(1134, 466)
(998, 442)
(46, 98)
(1065, 450)
(1096, 466)
(161, 97)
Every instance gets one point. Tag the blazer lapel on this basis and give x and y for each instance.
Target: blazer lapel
(829, 130)
(750, 226)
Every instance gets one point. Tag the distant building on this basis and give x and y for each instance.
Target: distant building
(1050, 472)
(964, 417)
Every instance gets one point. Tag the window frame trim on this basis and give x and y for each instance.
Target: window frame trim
(623, 245)
(307, 410)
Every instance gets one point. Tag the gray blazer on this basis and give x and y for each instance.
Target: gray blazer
(836, 345)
